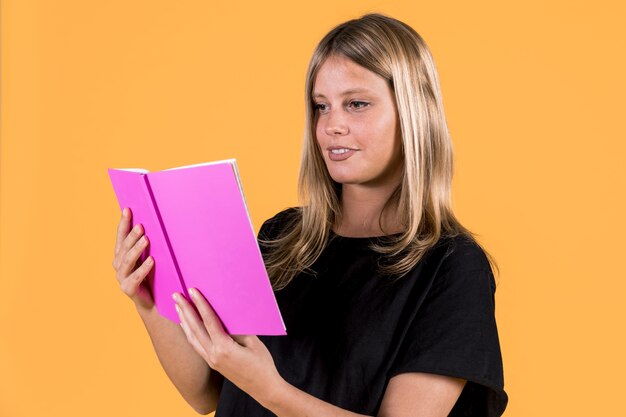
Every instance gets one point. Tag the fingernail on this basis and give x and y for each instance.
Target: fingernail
(124, 212)
(193, 292)
(175, 296)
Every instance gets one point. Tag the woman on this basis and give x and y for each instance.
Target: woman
(388, 300)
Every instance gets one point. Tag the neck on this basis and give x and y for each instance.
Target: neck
(361, 207)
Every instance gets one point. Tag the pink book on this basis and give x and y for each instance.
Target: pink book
(201, 236)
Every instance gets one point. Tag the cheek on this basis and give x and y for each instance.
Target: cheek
(380, 133)
(390, 129)
(319, 137)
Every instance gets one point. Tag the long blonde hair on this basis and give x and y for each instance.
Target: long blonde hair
(396, 52)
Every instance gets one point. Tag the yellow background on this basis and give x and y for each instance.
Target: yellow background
(534, 96)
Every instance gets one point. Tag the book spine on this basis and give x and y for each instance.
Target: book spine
(157, 215)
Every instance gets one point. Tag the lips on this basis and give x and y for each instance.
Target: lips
(330, 148)
(340, 156)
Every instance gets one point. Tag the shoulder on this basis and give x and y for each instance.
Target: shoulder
(272, 227)
(462, 263)
(461, 252)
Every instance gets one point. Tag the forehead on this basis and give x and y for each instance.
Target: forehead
(341, 76)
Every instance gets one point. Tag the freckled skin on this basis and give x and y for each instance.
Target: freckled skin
(367, 121)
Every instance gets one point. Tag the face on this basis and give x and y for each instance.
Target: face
(358, 118)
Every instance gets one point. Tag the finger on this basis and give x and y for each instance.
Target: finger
(189, 334)
(193, 341)
(248, 341)
(134, 280)
(130, 257)
(122, 229)
(132, 237)
(212, 322)
(128, 242)
(194, 323)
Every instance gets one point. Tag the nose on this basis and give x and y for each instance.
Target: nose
(336, 123)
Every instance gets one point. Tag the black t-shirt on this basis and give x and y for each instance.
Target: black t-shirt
(350, 330)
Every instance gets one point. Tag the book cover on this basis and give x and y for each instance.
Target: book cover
(201, 236)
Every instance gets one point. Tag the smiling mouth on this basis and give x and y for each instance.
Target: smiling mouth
(340, 154)
(340, 149)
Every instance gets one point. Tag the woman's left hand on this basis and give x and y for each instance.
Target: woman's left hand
(243, 360)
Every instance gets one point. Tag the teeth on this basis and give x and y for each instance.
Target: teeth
(339, 151)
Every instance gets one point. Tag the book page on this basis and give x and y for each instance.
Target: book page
(202, 164)
(139, 170)
(243, 196)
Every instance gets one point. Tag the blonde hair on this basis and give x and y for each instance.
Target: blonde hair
(397, 53)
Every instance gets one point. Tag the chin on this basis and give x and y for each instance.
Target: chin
(346, 175)
(346, 179)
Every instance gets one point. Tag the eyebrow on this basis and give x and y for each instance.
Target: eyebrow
(345, 93)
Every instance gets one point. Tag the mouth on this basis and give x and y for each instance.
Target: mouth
(340, 149)
(337, 153)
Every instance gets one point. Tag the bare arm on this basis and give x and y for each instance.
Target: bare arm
(410, 394)
(198, 384)
(420, 394)
(191, 375)
(247, 363)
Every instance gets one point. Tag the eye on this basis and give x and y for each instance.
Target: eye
(359, 104)
(317, 107)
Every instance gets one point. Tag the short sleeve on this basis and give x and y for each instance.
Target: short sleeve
(454, 333)
(272, 226)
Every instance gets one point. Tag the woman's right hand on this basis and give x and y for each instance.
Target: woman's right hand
(130, 273)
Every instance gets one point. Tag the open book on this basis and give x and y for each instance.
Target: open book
(201, 236)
